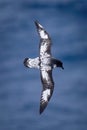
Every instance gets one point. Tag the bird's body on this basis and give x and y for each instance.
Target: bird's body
(45, 62)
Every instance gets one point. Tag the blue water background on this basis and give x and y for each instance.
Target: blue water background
(20, 88)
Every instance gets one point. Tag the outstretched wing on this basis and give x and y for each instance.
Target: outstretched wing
(45, 40)
(45, 66)
(48, 86)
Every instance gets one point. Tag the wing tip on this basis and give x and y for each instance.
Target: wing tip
(36, 22)
(40, 111)
(38, 25)
(42, 107)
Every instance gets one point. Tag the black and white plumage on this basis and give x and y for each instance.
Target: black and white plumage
(45, 63)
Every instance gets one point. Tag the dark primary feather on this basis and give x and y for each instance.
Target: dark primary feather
(43, 103)
(48, 86)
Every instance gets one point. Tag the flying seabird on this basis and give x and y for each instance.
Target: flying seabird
(45, 63)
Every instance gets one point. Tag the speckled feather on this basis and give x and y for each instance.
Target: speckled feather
(45, 62)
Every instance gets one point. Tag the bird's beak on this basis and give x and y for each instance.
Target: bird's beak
(62, 67)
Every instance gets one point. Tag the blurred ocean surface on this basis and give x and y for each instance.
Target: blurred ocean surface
(20, 88)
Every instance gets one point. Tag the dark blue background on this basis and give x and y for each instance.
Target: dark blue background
(20, 88)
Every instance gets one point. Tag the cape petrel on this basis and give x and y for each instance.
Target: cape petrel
(45, 63)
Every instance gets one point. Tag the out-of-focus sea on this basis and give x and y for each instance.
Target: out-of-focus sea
(20, 88)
